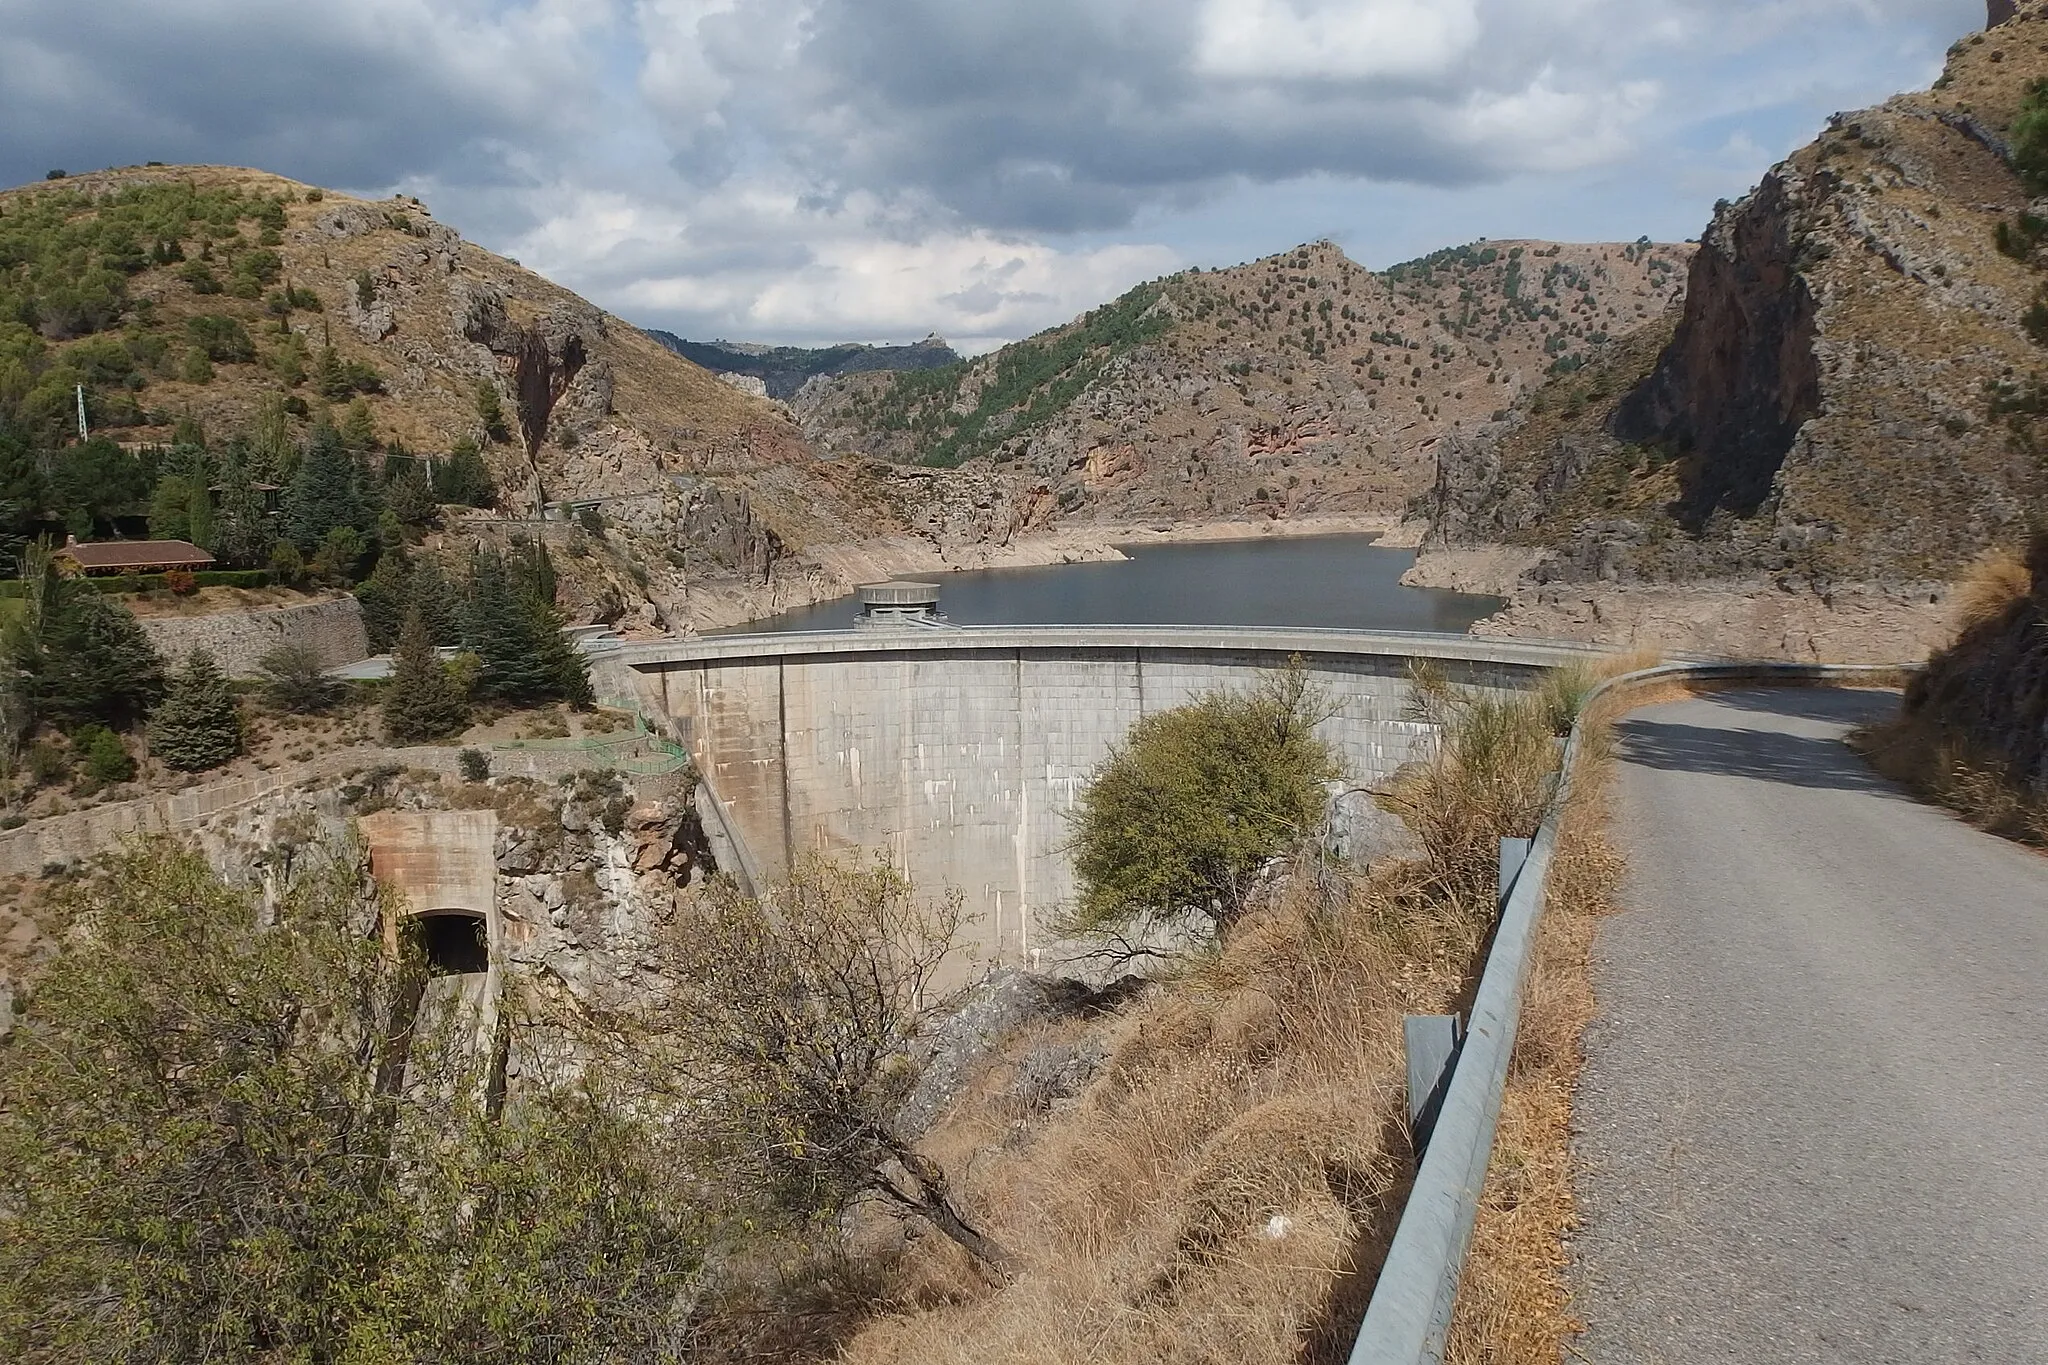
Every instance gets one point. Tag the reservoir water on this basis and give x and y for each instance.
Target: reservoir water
(1340, 582)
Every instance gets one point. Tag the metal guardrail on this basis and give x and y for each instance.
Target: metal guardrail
(1409, 1317)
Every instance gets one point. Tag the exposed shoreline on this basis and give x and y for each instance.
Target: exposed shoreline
(1851, 622)
(824, 572)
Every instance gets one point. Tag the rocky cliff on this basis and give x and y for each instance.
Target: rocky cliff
(1298, 386)
(1845, 406)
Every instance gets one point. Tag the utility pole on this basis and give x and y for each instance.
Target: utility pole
(83, 434)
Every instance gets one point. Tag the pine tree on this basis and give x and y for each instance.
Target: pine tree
(242, 533)
(464, 478)
(358, 427)
(77, 656)
(420, 703)
(198, 725)
(326, 492)
(499, 629)
(439, 600)
(409, 497)
(518, 637)
(385, 597)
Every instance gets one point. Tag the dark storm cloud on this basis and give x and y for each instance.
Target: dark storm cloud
(359, 94)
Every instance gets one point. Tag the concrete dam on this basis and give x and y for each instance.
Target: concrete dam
(961, 751)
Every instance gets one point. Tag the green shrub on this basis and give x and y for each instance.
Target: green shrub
(1178, 822)
(222, 338)
(103, 758)
(476, 764)
(295, 680)
(1489, 778)
(2029, 136)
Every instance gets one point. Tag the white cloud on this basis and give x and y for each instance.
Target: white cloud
(810, 169)
(1333, 39)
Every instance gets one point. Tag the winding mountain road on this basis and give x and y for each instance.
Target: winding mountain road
(1813, 1122)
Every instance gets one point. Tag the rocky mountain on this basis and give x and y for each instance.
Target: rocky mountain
(1847, 409)
(783, 370)
(252, 305)
(1297, 386)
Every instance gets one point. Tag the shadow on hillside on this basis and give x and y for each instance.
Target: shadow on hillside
(1820, 762)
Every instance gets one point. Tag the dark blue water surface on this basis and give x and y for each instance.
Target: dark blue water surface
(1341, 582)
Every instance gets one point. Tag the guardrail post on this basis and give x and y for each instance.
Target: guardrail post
(1513, 853)
(1432, 1042)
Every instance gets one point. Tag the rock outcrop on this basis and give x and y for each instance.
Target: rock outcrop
(1847, 405)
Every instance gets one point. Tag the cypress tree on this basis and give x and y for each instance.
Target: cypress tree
(420, 703)
(198, 725)
(170, 509)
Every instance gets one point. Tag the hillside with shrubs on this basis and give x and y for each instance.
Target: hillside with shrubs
(1298, 385)
(263, 362)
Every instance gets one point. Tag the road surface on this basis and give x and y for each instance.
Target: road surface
(1813, 1123)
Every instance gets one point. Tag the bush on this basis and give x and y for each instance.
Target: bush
(295, 680)
(1180, 819)
(221, 338)
(476, 764)
(1489, 779)
(2030, 139)
(103, 758)
(47, 763)
(181, 581)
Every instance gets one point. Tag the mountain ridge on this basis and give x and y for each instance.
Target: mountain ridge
(1297, 385)
(783, 370)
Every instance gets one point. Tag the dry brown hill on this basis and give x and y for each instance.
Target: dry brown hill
(1296, 385)
(1852, 395)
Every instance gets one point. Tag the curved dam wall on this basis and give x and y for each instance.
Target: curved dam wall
(961, 752)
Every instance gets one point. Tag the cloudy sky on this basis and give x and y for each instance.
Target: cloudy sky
(819, 170)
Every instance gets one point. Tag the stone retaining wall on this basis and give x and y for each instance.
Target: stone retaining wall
(239, 639)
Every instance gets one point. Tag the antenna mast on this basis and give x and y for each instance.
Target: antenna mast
(83, 435)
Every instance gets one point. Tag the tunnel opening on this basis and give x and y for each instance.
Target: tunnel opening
(453, 943)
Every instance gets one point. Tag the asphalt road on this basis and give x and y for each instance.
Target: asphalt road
(1813, 1123)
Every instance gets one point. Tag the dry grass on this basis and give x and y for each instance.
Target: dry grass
(1989, 587)
(1514, 1304)
(1945, 768)
(1225, 1188)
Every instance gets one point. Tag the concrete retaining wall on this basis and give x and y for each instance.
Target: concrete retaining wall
(239, 639)
(63, 839)
(962, 752)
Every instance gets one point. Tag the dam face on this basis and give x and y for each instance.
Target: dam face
(961, 752)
